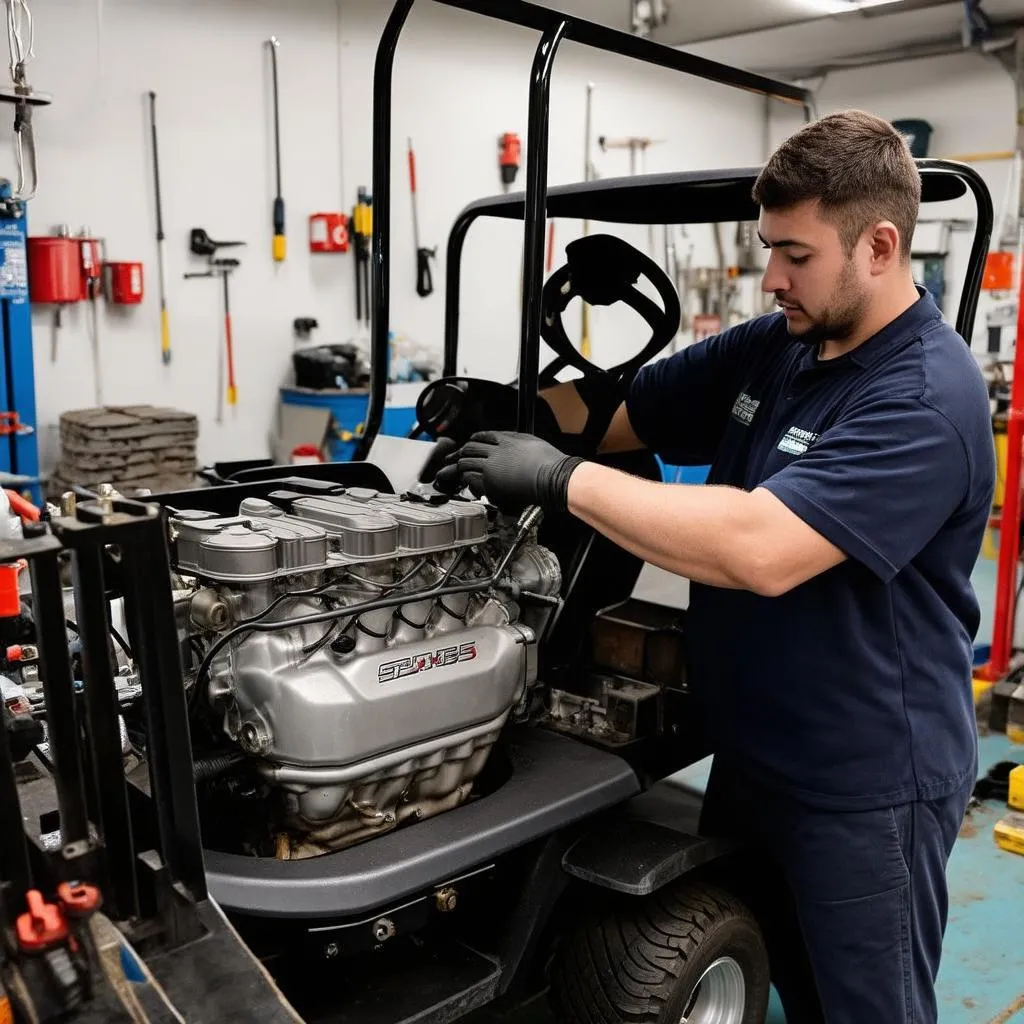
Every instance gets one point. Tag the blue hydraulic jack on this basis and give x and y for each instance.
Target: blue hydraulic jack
(19, 448)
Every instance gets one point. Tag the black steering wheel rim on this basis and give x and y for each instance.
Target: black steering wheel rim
(581, 276)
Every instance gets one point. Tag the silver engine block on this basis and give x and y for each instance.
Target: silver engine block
(386, 715)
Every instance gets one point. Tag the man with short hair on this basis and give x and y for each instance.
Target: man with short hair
(831, 614)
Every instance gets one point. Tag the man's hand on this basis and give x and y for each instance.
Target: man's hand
(513, 470)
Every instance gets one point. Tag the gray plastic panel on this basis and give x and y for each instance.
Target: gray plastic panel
(556, 781)
(646, 843)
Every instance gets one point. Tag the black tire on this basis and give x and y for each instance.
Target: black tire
(638, 960)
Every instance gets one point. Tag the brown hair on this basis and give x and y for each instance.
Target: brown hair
(856, 165)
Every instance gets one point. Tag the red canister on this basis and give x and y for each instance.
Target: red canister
(55, 270)
(124, 283)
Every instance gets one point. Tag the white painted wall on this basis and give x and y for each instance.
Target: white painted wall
(969, 101)
(460, 82)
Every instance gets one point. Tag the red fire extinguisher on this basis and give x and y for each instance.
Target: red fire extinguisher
(124, 282)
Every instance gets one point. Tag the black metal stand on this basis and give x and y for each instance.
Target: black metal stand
(156, 899)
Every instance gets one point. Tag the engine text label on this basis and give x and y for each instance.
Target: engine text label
(401, 667)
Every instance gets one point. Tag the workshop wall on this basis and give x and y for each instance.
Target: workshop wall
(460, 81)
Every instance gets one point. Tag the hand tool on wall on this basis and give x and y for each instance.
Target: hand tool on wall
(509, 151)
(362, 230)
(424, 279)
(92, 275)
(587, 175)
(165, 326)
(23, 97)
(202, 245)
(280, 243)
(637, 147)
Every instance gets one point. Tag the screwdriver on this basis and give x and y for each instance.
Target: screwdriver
(280, 243)
(424, 279)
(362, 230)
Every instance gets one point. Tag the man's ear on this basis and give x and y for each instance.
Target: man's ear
(885, 246)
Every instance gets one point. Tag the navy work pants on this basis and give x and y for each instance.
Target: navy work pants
(853, 904)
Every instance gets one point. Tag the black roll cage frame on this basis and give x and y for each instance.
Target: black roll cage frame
(941, 179)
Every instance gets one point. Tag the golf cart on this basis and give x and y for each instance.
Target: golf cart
(432, 746)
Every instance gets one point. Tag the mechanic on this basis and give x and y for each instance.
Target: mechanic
(831, 613)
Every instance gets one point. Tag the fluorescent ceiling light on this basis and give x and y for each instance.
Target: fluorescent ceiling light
(844, 6)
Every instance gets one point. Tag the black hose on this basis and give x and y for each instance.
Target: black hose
(118, 639)
(205, 768)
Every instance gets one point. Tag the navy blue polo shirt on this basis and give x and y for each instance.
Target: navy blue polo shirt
(853, 689)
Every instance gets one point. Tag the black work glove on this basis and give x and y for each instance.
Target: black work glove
(513, 470)
(443, 447)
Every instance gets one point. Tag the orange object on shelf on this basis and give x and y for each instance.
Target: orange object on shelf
(79, 899)
(998, 276)
(21, 506)
(10, 596)
(42, 925)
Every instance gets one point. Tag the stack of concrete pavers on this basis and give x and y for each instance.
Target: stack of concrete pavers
(133, 447)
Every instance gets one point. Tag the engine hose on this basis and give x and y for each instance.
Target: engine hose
(527, 522)
(205, 768)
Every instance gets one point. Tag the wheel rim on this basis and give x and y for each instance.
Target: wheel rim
(719, 997)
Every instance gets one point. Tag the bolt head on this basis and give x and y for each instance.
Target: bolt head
(447, 899)
(254, 738)
(331, 950)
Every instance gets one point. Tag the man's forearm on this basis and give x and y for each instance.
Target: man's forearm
(708, 534)
(724, 536)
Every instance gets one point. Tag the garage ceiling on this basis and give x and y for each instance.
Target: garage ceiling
(803, 49)
(692, 22)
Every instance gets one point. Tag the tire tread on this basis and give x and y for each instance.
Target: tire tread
(621, 967)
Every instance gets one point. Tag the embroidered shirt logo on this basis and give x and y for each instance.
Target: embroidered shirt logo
(744, 408)
(796, 441)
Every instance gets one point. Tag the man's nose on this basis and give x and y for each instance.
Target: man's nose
(774, 279)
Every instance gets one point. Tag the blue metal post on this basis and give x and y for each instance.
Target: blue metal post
(19, 453)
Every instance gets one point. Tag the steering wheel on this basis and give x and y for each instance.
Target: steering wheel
(603, 270)
(600, 269)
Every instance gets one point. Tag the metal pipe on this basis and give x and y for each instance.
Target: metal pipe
(1005, 617)
(534, 215)
(335, 774)
(381, 245)
(601, 37)
(979, 247)
(15, 873)
(101, 711)
(149, 611)
(453, 289)
(58, 690)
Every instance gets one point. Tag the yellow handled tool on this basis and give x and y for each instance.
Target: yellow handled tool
(165, 323)
(280, 244)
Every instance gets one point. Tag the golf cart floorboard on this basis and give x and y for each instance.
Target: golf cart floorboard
(555, 782)
(417, 985)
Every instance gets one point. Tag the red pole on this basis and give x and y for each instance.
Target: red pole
(1009, 530)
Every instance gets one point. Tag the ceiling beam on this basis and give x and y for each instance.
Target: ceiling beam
(1003, 36)
(906, 6)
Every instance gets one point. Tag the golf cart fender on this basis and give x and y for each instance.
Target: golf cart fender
(646, 843)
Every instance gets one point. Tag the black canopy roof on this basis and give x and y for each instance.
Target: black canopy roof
(682, 197)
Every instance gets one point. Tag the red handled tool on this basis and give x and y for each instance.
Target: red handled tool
(424, 279)
(202, 245)
(509, 150)
(229, 351)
